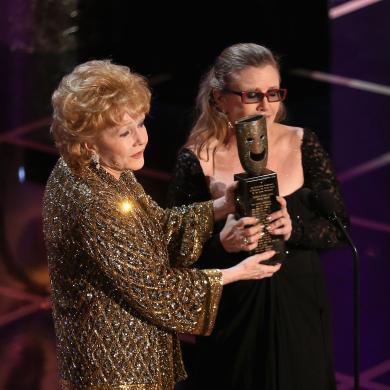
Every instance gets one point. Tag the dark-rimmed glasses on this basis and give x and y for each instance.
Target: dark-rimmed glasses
(249, 97)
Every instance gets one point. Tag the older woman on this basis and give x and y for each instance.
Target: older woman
(116, 260)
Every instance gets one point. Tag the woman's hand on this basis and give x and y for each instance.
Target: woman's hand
(240, 235)
(251, 268)
(280, 221)
(225, 204)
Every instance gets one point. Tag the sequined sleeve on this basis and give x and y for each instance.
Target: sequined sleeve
(186, 228)
(129, 252)
(189, 185)
(317, 232)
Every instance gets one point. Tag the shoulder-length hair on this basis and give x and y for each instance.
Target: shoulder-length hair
(210, 122)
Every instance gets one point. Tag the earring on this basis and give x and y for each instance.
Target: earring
(226, 118)
(96, 160)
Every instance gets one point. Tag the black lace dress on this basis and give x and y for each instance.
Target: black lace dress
(272, 334)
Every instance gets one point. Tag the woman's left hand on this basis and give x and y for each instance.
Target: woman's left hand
(279, 222)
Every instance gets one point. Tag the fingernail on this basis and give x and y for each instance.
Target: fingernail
(262, 234)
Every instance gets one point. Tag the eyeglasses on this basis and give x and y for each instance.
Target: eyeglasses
(249, 97)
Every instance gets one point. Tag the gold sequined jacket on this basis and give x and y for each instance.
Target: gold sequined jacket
(120, 286)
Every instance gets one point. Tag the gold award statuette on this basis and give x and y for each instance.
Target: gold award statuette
(257, 186)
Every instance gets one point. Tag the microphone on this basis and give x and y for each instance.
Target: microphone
(327, 207)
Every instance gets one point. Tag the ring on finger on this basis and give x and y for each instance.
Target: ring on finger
(246, 241)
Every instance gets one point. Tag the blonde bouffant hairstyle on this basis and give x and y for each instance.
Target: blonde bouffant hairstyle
(94, 97)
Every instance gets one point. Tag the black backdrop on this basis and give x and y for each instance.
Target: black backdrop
(174, 46)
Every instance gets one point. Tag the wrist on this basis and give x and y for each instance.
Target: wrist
(230, 275)
(222, 208)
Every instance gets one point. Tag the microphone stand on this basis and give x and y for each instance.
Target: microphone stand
(356, 299)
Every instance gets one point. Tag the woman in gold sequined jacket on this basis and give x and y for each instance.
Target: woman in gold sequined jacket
(117, 261)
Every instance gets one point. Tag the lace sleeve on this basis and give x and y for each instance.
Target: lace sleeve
(317, 232)
(189, 185)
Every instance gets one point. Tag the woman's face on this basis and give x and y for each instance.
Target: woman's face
(122, 147)
(249, 79)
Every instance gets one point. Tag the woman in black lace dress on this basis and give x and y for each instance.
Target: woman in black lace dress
(271, 334)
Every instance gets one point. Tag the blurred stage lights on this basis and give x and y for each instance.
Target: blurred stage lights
(21, 174)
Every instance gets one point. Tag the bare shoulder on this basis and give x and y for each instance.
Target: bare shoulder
(289, 135)
(290, 131)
